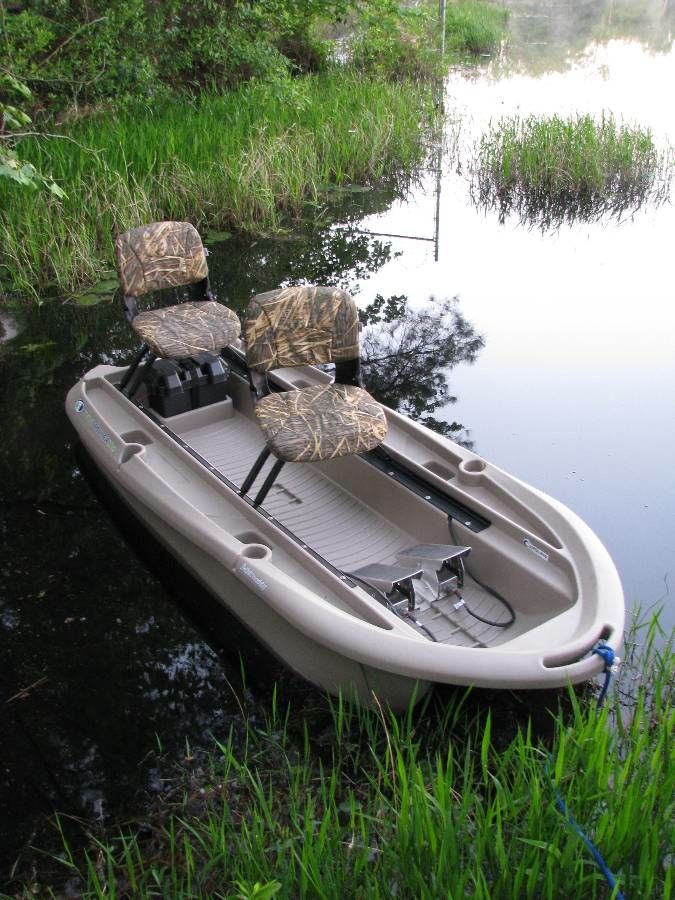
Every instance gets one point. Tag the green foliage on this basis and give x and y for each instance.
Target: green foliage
(294, 28)
(395, 41)
(551, 170)
(474, 27)
(26, 174)
(402, 40)
(76, 51)
(449, 800)
(132, 87)
(247, 159)
(12, 118)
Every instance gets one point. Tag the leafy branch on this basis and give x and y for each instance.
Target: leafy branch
(12, 119)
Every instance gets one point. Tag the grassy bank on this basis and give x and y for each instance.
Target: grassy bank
(437, 803)
(246, 159)
(244, 145)
(552, 170)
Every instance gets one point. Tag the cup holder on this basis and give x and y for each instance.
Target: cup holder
(136, 437)
(130, 450)
(471, 471)
(256, 551)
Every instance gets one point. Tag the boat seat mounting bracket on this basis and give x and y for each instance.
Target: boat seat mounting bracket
(442, 565)
(396, 582)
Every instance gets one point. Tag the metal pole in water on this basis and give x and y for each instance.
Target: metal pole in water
(438, 155)
(441, 14)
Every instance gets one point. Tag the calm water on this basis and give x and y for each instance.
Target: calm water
(571, 389)
(574, 389)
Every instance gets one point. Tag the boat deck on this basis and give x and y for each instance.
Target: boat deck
(343, 529)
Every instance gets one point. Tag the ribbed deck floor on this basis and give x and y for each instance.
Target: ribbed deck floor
(338, 525)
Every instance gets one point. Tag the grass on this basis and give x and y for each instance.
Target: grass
(552, 170)
(401, 41)
(249, 159)
(440, 802)
(474, 27)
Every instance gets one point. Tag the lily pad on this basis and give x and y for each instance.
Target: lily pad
(216, 237)
(34, 348)
(97, 293)
(345, 189)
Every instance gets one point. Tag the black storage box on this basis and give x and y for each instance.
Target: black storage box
(177, 386)
(169, 388)
(209, 378)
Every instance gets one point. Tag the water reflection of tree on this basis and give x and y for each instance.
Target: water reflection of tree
(407, 354)
(241, 268)
(325, 252)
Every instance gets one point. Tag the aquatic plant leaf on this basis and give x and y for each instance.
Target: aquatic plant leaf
(90, 299)
(34, 348)
(102, 290)
(216, 237)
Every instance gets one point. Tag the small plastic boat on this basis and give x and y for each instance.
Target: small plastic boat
(374, 555)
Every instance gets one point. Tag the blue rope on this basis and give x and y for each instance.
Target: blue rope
(605, 652)
(572, 822)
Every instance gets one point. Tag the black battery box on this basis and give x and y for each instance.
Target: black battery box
(209, 378)
(177, 386)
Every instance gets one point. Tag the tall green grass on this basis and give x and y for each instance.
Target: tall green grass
(551, 170)
(472, 26)
(434, 803)
(248, 159)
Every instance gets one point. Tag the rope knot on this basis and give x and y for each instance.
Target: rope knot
(607, 654)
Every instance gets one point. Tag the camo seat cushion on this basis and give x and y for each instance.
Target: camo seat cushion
(187, 328)
(321, 422)
(300, 326)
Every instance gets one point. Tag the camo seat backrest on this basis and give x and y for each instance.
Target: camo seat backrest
(160, 255)
(299, 326)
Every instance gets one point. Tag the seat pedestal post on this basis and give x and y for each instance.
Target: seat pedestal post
(136, 372)
(255, 471)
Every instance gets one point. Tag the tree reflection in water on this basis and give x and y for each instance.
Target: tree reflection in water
(407, 354)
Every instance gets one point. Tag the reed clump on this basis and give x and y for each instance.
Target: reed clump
(474, 27)
(247, 159)
(439, 802)
(553, 170)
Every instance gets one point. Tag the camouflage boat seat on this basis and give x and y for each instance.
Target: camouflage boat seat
(301, 326)
(321, 422)
(178, 331)
(168, 255)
